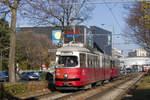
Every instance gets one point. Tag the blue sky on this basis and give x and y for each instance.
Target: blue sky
(102, 15)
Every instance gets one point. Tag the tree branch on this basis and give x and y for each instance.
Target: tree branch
(6, 2)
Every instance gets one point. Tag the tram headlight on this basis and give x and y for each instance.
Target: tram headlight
(65, 75)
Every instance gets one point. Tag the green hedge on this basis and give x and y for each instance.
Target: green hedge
(43, 76)
(148, 73)
(1, 91)
(15, 88)
(46, 76)
(19, 89)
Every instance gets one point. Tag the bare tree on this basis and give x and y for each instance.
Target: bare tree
(36, 47)
(138, 22)
(11, 6)
(41, 12)
(61, 13)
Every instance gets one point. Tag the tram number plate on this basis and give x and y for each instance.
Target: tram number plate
(66, 84)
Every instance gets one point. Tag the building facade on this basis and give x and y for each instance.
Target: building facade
(102, 39)
(91, 37)
(138, 62)
(117, 53)
(138, 53)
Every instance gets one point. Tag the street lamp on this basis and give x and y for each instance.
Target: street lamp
(1, 52)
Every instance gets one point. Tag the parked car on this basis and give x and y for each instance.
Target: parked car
(38, 73)
(29, 76)
(4, 76)
(128, 70)
(122, 71)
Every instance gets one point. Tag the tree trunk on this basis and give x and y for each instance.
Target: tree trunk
(12, 46)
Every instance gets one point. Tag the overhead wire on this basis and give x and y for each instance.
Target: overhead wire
(112, 13)
(116, 20)
(101, 2)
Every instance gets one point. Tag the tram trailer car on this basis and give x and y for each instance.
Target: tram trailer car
(145, 68)
(115, 68)
(88, 68)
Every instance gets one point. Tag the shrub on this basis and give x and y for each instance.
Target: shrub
(49, 78)
(43, 76)
(8, 90)
(35, 86)
(15, 88)
(148, 73)
(1, 91)
(46, 76)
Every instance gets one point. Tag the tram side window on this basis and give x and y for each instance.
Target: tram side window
(91, 60)
(90, 57)
(93, 64)
(113, 64)
(88, 60)
(82, 60)
(97, 65)
(107, 62)
(101, 61)
(117, 63)
(94, 61)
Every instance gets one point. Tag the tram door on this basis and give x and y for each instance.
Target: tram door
(96, 68)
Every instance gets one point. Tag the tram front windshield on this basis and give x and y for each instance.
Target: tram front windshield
(68, 61)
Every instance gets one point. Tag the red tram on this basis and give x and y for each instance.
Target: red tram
(145, 68)
(80, 68)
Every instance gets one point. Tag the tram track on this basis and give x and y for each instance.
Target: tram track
(103, 89)
(116, 92)
(85, 94)
(53, 96)
(123, 93)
